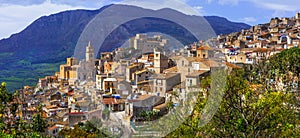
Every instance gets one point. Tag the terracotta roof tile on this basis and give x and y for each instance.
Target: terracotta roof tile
(112, 101)
(53, 127)
(158, 107)
(204, 48)
(232, 65)
(211, 63)
(172, 69)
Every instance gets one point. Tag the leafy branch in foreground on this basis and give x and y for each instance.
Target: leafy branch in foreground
(245, 112)
(11, 123)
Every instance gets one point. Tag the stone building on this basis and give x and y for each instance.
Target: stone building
(73, 71)
(204, 52)
(68, 71)
(165, 82)
(297, 17)
(160, 61)
(146, 44)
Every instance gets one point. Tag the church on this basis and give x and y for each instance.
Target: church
(75, 72)
(86, 69)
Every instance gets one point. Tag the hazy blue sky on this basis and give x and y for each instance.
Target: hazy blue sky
(15, 15)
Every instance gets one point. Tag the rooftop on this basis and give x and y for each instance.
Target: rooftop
(112, 101)
(211, 63)
(52, 128)
(231, 65)
(170, 70)
(198, 73)
(158, 107)
(142, 71)
(165, 75)
(204, 48)
(76, 113)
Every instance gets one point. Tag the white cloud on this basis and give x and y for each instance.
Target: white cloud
(15, 18)
(291, 5)
(228, 2)
(224, 2)
(249, 20)
(22, 2)
(199, 9)
(85, 3)
(280, 8)
(282, 5)
(209, 1)
(184, 1)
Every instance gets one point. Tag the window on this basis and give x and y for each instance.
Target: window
(158, 82)
(160, 89)
(182, 63)
(156, 55)
(204, 55)
(196, 66)
(191, 82)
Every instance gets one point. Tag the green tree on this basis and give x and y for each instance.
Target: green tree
(148, 115)
(105, 113)
(283, 67)
(39, 123)
(8, 111)
(245, 112)
(77, 132)
(90, 129)
(5, 99)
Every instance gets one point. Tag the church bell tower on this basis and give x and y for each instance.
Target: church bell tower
(89, 54)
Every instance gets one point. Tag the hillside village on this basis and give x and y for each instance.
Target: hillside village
(127, 86)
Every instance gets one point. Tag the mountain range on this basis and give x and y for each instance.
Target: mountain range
(38, 50)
